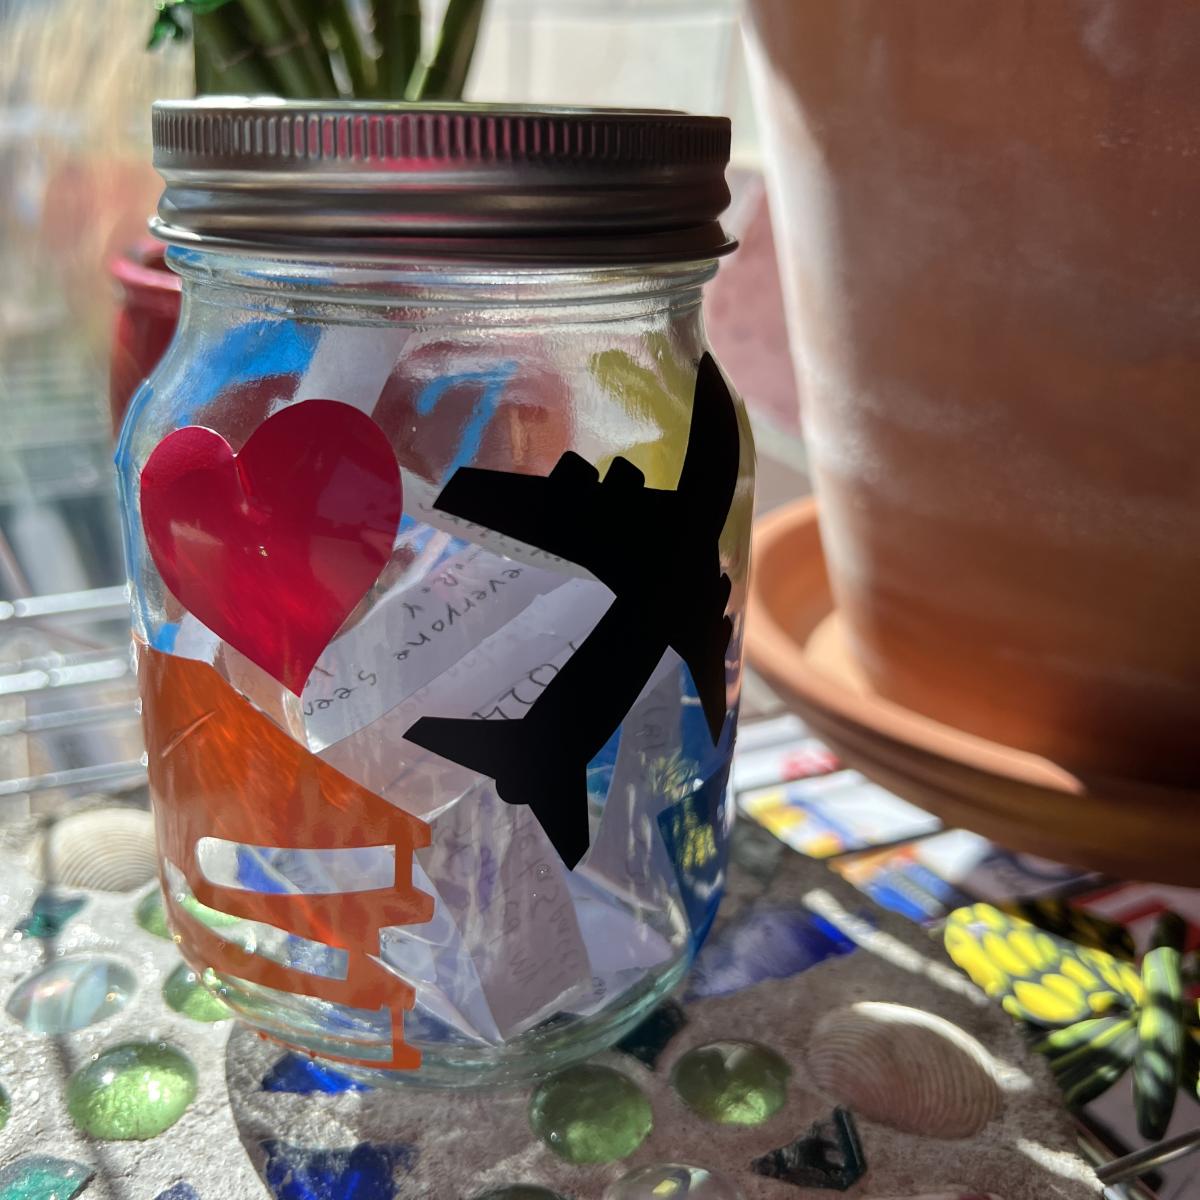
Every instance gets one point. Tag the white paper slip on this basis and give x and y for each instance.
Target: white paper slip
(504, 674)
(621, 948)
(627, 856)
(506, 891)
(352, 363)
(412, 636)
(435, 960)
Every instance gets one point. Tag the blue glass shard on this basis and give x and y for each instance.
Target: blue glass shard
(650, 1038)
(764, 943)
(179, 1191)
(296, 1073)
(492, 383)
(39, 1177)
(255, 875)
(49, 914)
(367, 1172)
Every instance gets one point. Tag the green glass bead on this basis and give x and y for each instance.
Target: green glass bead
(131, 1092)
(185, 993)
(71, 994)
(590, 1114)
(40, 1177)
(151, 914)
(732, 1083)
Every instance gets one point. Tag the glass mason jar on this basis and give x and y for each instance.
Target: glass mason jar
(437, 516)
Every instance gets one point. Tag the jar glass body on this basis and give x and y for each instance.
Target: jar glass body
(391, 900)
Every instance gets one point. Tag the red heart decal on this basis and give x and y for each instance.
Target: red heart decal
(272, 548)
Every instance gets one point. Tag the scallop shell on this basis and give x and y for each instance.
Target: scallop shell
(106, 849)
(904, 1068)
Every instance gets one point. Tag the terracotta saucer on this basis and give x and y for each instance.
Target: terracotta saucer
(796, 641)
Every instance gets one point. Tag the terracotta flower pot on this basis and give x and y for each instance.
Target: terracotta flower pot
(988, 217)
(146, 318)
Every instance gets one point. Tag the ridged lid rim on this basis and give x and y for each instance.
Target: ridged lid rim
(474, 181)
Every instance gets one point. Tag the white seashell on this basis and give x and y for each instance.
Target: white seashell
(904, 1068)
(105, 849)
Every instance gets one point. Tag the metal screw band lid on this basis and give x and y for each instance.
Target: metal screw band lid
(461, 181)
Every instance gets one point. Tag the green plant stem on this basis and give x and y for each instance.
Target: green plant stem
(359, 67)
(398, 35)
(224, 61)
(444, 74)
(289, 49)
(312, 15)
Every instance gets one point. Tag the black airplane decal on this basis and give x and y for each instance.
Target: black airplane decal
(657, 551)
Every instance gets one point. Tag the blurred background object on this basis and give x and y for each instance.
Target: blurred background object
(75, 93)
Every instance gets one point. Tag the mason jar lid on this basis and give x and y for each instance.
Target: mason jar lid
(507, 184)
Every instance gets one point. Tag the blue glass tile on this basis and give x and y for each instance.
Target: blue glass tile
(366, 1172)
(296, 1073)
(764, 943)
(49, 915)
(179, 1191)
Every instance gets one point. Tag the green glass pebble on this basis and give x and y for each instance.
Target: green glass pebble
(132, 1091)
(40, 1177)
(732, 1083)
(5, 1107)
(590, 1114)
(71, 994)
(212, 917)
(151, 914)
(185, 993)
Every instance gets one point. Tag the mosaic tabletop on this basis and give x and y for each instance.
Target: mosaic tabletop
(821, 1045)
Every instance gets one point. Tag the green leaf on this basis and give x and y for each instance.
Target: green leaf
(444, 75)
(225, 61)
(289, 48)
(1158, 1067)
(166, 28)
(398, 35)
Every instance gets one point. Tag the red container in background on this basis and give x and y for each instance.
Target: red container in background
(146, 319)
